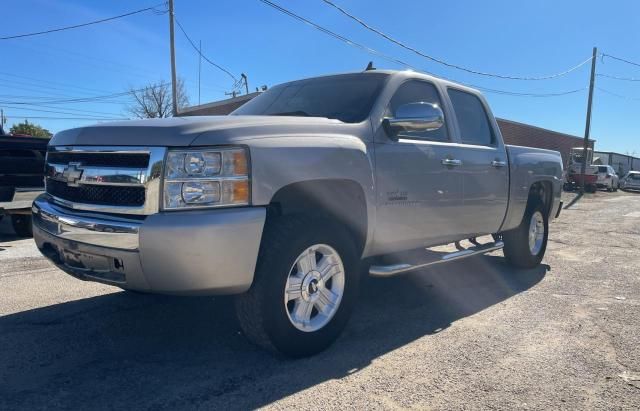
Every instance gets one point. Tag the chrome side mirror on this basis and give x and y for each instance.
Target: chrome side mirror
(415, 117)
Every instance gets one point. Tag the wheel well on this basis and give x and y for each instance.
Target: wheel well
(541, 191)
(340, 200)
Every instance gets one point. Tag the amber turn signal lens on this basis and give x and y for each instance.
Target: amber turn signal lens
(240, 166)
(240, 191)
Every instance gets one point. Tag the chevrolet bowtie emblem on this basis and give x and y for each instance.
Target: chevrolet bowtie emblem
(72, 173)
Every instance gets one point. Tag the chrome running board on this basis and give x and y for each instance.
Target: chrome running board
(394, 269)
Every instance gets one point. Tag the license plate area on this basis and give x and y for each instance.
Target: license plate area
(92, 265)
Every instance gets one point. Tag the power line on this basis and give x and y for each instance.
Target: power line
(71, 118)
(620, 59)
(76, 110)
(618, 95)
(396, 60)
(85, 99)
(618, 78)
(336, 35)
(75, 26)
(66, 85)
(523, 94)
(219, 67)
(440, 61)
(49, 111)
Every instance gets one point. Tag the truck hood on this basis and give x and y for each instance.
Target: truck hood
(200, 130)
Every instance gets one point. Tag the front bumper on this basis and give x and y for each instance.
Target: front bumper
(204, 252)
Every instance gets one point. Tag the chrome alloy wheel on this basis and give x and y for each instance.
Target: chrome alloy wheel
(536, 233)
(314, 288)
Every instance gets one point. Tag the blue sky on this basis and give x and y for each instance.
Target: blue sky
(508, 37)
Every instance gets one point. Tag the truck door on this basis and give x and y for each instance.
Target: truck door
(485, 166)
(418, 197)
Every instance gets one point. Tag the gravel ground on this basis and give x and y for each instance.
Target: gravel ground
(474, 334)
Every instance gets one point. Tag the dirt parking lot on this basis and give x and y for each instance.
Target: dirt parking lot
(472, 335)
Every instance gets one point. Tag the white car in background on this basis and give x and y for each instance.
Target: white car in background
(607, 178)
(631, 181)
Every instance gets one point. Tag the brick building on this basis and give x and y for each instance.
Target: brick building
(515, 133)
(521, 134)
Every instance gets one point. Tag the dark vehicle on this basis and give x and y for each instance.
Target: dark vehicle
(21, 178)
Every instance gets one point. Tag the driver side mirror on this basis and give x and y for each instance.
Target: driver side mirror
(414, 117)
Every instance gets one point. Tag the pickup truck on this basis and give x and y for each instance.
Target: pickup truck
(21, 178)
(282, 202)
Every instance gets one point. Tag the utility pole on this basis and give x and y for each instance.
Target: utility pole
(174, 90)
(199, 69)
(587, 129)
(246, 83)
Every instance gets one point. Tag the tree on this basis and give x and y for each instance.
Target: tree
(154, 100)
(30, 129)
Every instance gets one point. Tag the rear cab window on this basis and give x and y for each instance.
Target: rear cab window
(473, 119)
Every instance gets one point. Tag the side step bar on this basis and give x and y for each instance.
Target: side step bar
(394, 269)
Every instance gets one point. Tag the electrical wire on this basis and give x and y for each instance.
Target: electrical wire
(336, 35)
(75, 26)
(617, 77)
(398, 61)
(440, 61)
(618, 95)
(523, 94)
(75, 110)
(54, 111)
(219, 67)
(86, 99)
(620, 59)
(72, 118)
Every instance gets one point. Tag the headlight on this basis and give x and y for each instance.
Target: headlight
(206, 178)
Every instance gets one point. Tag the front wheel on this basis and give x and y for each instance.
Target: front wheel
(304, 288)
(524, 246)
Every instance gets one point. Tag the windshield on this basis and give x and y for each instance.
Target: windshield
(348, 98)
(602, 169)
(634, 176)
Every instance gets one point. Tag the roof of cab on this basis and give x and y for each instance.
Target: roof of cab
(401, 73)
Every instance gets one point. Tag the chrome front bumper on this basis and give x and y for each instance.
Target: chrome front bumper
(203, 252)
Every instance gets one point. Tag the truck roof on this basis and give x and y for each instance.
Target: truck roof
(398, 73)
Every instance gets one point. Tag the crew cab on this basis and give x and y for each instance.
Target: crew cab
(281, 202)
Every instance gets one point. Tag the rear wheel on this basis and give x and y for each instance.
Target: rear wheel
(524, 247)
(304, 288)
(22, 225)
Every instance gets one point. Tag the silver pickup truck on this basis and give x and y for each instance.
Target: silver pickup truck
(283, 201)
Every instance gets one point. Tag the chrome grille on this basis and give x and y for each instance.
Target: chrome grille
(124, 180)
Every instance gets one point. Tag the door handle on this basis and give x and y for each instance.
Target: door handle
(451, 162)
(498, 163)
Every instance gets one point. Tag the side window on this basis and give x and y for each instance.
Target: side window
(416, 91)
(472, 118)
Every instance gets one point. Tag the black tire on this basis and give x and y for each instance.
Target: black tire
(22, 225)
(516, 241)
(261, 311)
